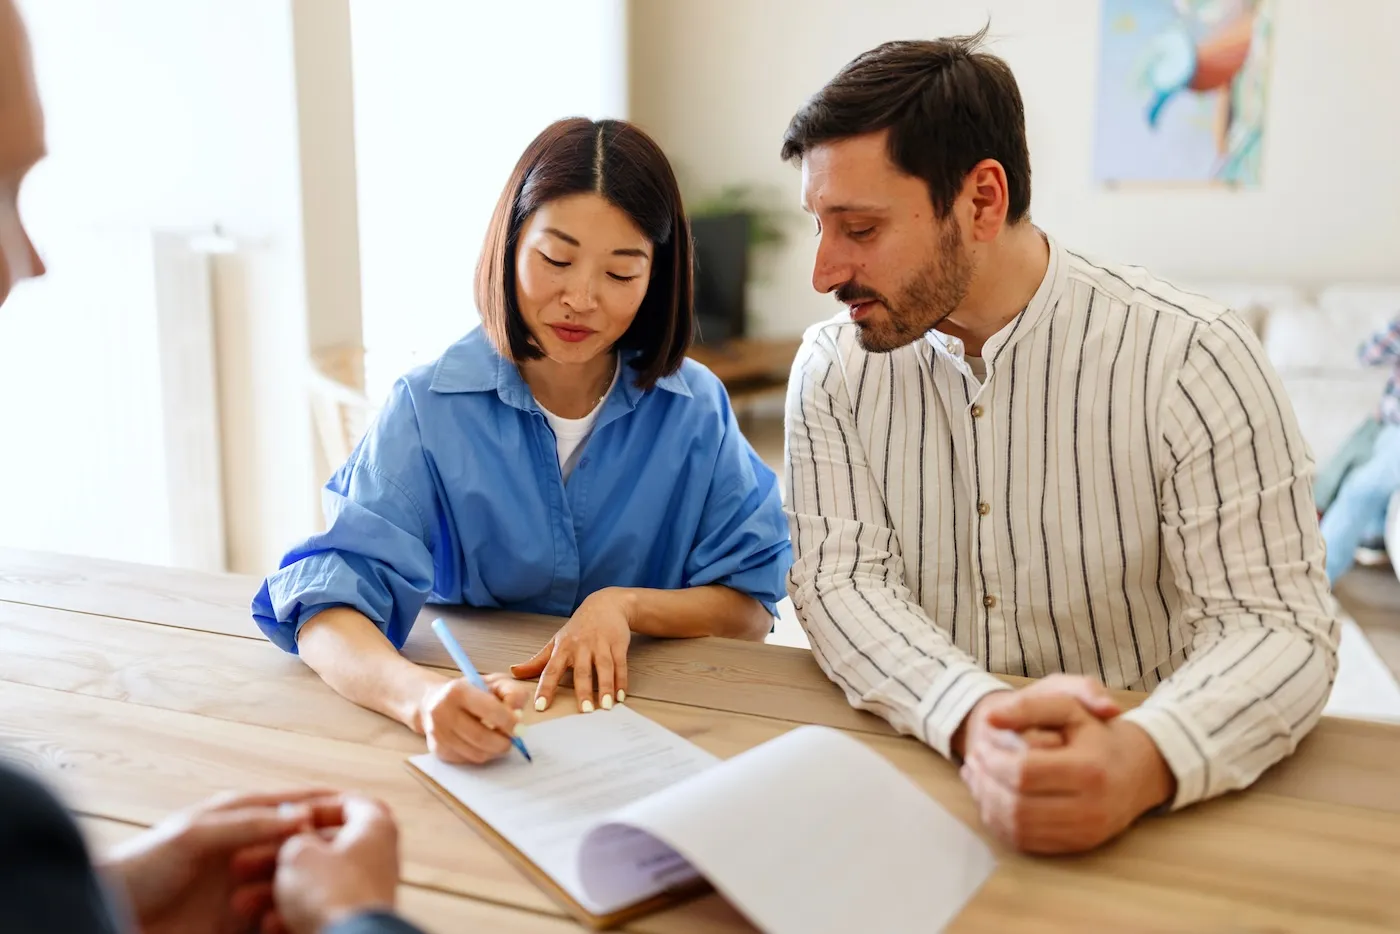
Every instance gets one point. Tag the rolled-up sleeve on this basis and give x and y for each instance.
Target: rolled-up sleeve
(376, 554)
(742, 541)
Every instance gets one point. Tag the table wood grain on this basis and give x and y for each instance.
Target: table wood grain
(140, 690)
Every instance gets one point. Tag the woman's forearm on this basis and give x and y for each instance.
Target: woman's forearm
(359, 663)
(713, 610)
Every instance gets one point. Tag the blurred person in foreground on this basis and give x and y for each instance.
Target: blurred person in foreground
(308, 861)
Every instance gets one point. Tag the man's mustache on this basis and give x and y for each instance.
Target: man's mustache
(853, 292)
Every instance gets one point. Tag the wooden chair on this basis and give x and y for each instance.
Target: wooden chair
(340, 412)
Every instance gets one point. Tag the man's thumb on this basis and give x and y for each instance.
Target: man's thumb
(299, 847)
(1099, 702)
(1027, 711)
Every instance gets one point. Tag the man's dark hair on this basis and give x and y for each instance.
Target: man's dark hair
(946, 104)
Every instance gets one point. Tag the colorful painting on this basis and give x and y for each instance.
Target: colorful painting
(1182, 91)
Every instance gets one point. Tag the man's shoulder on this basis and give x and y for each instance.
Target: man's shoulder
(830, 335)
(21, 793)
(836, 341)
(30, 815)
(1142, 291)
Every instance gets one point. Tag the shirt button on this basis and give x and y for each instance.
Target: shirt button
(583, 463)
(983, 508)
(976, 411)
(989, 601)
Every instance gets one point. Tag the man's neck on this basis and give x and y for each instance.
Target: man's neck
(1008, 275)
(569, 390)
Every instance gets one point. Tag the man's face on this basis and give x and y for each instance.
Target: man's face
(883, 252)
(21, 146)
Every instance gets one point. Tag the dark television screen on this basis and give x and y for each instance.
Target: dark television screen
(721, 272)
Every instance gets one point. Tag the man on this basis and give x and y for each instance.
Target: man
(1361, 501)
(1007, 458)
(311, 862)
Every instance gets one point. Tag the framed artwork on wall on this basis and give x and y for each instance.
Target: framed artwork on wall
(1182, 91)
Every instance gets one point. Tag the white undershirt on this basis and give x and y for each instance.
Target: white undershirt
(571, 433)
(978, 366)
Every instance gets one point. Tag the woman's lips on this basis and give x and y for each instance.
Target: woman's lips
(571, 334)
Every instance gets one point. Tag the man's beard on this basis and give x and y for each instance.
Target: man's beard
(933, 294)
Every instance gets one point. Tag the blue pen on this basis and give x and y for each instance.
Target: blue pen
(459, 655)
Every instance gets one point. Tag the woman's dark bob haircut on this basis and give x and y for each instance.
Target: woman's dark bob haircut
(617, 160)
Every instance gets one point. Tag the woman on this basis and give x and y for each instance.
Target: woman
(565, 458)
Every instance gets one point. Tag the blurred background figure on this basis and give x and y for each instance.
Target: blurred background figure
(1356, 515)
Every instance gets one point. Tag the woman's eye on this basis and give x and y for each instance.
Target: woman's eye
(862, 234)
(553, 262)
(622, 278)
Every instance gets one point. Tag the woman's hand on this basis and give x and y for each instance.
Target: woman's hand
(466, 724)
(595, 638)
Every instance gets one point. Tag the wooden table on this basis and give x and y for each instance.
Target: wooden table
(139, 690)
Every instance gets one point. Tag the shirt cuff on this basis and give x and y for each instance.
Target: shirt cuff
(308, 613)
(1180, 747)
(373, 922)
(949, 700)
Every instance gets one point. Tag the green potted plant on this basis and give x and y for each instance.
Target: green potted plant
(734, 229)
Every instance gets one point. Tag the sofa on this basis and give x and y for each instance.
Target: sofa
(1312, 339)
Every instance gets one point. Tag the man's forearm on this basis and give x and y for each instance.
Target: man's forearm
(888, 656)
(1241, 705)
(867, 631)
(1152, 776)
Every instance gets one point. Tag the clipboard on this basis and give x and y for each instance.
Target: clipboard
(668, 899)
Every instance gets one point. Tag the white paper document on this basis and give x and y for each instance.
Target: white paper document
(809, 832)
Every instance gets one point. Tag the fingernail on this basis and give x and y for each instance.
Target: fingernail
(541, 703)
(520, 729)
(586, 706)
(606, 702)
(1005, 739)
(621, 695)
(289, 811)
(519, 715)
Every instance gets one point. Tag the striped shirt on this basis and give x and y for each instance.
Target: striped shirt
(1381, 349)
(1126, 495)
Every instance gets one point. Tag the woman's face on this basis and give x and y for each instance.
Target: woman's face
(581, 271)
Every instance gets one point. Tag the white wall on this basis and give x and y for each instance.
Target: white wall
(447, 96)
(717, 82)
(162, 114)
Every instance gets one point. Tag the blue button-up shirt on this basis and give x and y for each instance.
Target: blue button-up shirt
(455, 496)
